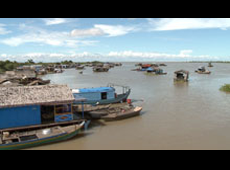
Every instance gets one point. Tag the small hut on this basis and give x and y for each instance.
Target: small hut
(181, 75)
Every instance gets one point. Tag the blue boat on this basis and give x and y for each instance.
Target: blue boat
(102, 95)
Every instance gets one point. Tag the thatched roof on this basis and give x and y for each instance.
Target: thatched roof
(35, 95)
(181, 71)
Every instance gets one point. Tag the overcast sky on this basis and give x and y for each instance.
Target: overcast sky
(115, 39)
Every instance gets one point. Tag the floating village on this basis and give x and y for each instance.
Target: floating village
(35, 112)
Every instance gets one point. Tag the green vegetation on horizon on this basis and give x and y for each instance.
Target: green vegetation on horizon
(224, 62)
(12, 65)
(8, 66)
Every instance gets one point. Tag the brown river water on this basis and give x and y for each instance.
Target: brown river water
(195, 115)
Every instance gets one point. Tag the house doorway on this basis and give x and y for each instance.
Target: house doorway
(47, 114)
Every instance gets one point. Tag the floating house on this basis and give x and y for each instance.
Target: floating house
(35, 105)
(102, 95)
(36, 68)
(181, 75)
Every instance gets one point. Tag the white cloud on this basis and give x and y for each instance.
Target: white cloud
(41, 36)
(3, 30)
(115, 30)
(183, 55)
(100, 30)
(166, 24)
(55, 21)
(87, 32)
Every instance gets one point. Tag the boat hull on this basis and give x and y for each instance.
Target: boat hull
(122, 116)
(40, 142)
(199, 72)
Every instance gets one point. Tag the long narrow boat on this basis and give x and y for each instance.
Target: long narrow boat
(203, 72)
(27, 139)
(101, 69)
(123, 114)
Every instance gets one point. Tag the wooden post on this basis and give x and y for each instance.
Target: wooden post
(83, 114)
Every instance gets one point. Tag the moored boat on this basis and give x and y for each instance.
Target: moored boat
(156, 71)
(80, 67)
(25, 139)
(102, 95)
(210, 65)
(203, 70)
(101, 69)
(123, 114)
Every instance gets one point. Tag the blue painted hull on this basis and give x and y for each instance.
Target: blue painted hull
(120, 98)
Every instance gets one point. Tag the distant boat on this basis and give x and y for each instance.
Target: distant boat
(102, 95)
(80, 67)
(162, 65)
(181, 75)
(156, 71)
(210, 65)
(32, 138)
(101, 69)
(202, 70)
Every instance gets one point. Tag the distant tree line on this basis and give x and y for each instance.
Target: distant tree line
(8, 66)
(12, 65)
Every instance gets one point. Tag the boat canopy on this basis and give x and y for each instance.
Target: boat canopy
(94, 90)
(150, 69)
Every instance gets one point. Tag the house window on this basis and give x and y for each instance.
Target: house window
(104, 96)
(64, 109)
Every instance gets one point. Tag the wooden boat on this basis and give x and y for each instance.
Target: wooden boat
(25, 139)
(104, 110)
(155, 71)
(100, 69)
(202, 70)
(123, 114)
(210, 65)
(80, 67)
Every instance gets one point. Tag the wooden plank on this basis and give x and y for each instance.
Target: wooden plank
(41, 126)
